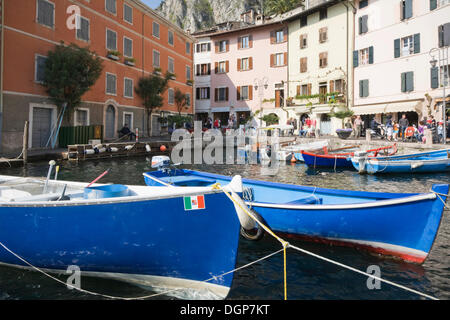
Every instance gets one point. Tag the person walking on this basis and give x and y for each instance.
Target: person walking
(358, 126)
(389, 128)
(403, 124)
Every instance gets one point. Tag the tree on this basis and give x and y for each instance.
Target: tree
(70, 71)
(342, 113)
(181, 100)
(150, 89)
(277, 7)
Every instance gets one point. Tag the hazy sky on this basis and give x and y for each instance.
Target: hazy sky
(152, 3)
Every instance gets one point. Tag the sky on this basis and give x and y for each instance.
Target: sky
(152, 3)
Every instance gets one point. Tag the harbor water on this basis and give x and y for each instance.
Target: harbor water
(307, 276)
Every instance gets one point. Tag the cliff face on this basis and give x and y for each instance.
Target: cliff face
(195, 15)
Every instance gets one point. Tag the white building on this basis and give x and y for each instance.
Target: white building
(392, 70)
(202, 78)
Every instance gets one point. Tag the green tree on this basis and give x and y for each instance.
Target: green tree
(150, 89)
(277, 7)
(181, 100)
(70, 71)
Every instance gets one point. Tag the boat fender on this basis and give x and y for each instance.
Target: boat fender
(114, 149)
(128, 148)
(89, 151)
(256, 233)
(147, 148)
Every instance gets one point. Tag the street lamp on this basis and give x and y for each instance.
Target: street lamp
(443, 64)
(261, 84)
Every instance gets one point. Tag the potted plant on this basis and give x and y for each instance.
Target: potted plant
(190, 82)
(157, 71)
(130, 61)
(342, 113)
(113, 55)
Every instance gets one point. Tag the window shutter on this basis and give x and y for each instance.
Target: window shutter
(272, 57)
(309, 89)
(239, 64)
(363, 3)
(250, 63)
(410, 81)
(250, 92)
(227, 66)
(197, 93)
(216, 67)
(272, 37)
(239, 43)
(331, 85)
(355, 58)
(361, 89)
(238, 93)
(226, 93)
(209, 68)
(433, 4)
(370, 55)
(216, 94)
(298, 90)
(216, 46)
(285, 59)
(396, 48)
(227, 45)
(441, 36)
(403, 82)
(285, 34)
(208, 95)
(364, 25)
(417, 43)
(250, 41)
(408, 9)
(434, 77)
(209, 46)
(366, 88)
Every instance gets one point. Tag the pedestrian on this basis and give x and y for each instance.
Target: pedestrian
(395, 131)
(403, 124)
(420, 131)
(389, 128)
(440, 132)
(358, 126)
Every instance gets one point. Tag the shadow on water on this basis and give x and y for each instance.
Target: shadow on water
(307, 277)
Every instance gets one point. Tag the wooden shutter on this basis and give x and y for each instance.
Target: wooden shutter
(417, 43)
(226, 93)
(238, 93)
(239, 64)
(433, 4)
(396, 48)
(272, 58)
(216, 67)
(309, 89)
(227, 66)
(298, 90)
(370, 55)
(285, 58)
(239, 43)
(331, 86)
(250, 41)
(272, 37)
(434, 77)
(301, 41)
(303, 64)
(227, 45)
(216, 94)
(209, 68)
(216, 46)
(355, 58)
(285, 34)
(250, 63)
(250, 92)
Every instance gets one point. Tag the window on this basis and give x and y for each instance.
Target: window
(111, 40)
(171, 65)
(188, 48)
(188, 73)
(407, 81)
(202, 93)
(278, 59)
(304, 91)
(110, 6)
(203, 69)
(221, 94)
(362, 21)
(303, 41)
(244, 93)
(323, 59)
(156, 62)
(444, 35)
(323, 34)
(407, 45)
(46, 13)
(364, 56)
(155, 29)
(127, 47)
(303, 64)
(303, 21)
(245, 64)
(81, 117)
(363, 3)
(128, 88)
(363, 88)
(127, 13)
(128, 119)
(111, 84)
(170, 37)
(203, 47)
(39, 74)
(339, 85)
(171, 96)
(222, 67)
(223, 46)
(83, 27)
(438, 3)
(188, 99)
(323, 13)
(244, 42)
(406, 9)
(279, 36)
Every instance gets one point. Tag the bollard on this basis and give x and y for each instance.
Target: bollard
(368, 136)
(429, 138)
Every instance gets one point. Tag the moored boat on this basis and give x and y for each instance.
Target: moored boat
(182, 239)
(286, 153)
(403, 225)
(422, 162)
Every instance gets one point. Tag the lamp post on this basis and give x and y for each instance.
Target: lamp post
(260, 84)
(443, 70)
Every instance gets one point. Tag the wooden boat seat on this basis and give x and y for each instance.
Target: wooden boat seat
(307, 200)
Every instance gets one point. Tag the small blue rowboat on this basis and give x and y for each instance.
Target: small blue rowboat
(150, 236)
(402, 225)
(423, 162)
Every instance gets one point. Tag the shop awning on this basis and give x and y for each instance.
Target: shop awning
(389, 108)
(220, 109)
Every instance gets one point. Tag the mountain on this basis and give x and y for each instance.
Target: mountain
(195, 15)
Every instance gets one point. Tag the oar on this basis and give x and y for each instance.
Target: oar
(98, 178)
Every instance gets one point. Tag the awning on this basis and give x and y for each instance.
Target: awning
(220, 109)
(394, 107)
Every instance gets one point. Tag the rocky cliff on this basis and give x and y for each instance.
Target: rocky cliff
(195, 15)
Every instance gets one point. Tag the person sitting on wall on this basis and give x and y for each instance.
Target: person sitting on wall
(125, 131)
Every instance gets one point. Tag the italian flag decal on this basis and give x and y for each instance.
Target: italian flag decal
(194, 203)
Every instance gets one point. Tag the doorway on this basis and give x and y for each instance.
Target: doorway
(279, 98)
(110, 122)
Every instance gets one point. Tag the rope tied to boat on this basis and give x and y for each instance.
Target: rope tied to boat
(442, 200)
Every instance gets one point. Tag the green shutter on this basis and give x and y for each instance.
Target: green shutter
(433, 4)
(408, 9)
(434, 77)
(366, 88)
(361, 89)
(396, 48)
(355, 58)
(410, 81)
(370, 55)
(360, 25)
(417, 43)
(403, 75)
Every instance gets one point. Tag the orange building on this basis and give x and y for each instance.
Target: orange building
(145, 41)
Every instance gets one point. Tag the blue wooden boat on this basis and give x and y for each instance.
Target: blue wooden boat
(423, 162)
(149, 236)
(402, 225)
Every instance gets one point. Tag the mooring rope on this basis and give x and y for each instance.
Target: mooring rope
(288, 245)
(442, 200)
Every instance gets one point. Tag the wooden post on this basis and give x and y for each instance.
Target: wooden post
(25, 143)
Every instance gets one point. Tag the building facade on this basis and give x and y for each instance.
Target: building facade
(202, 77)
(320, 72)
(391, 60)
(145, 42)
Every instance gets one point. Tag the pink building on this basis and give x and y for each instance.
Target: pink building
(248, 70)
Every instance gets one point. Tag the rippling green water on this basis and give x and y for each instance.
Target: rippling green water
(308, 278)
